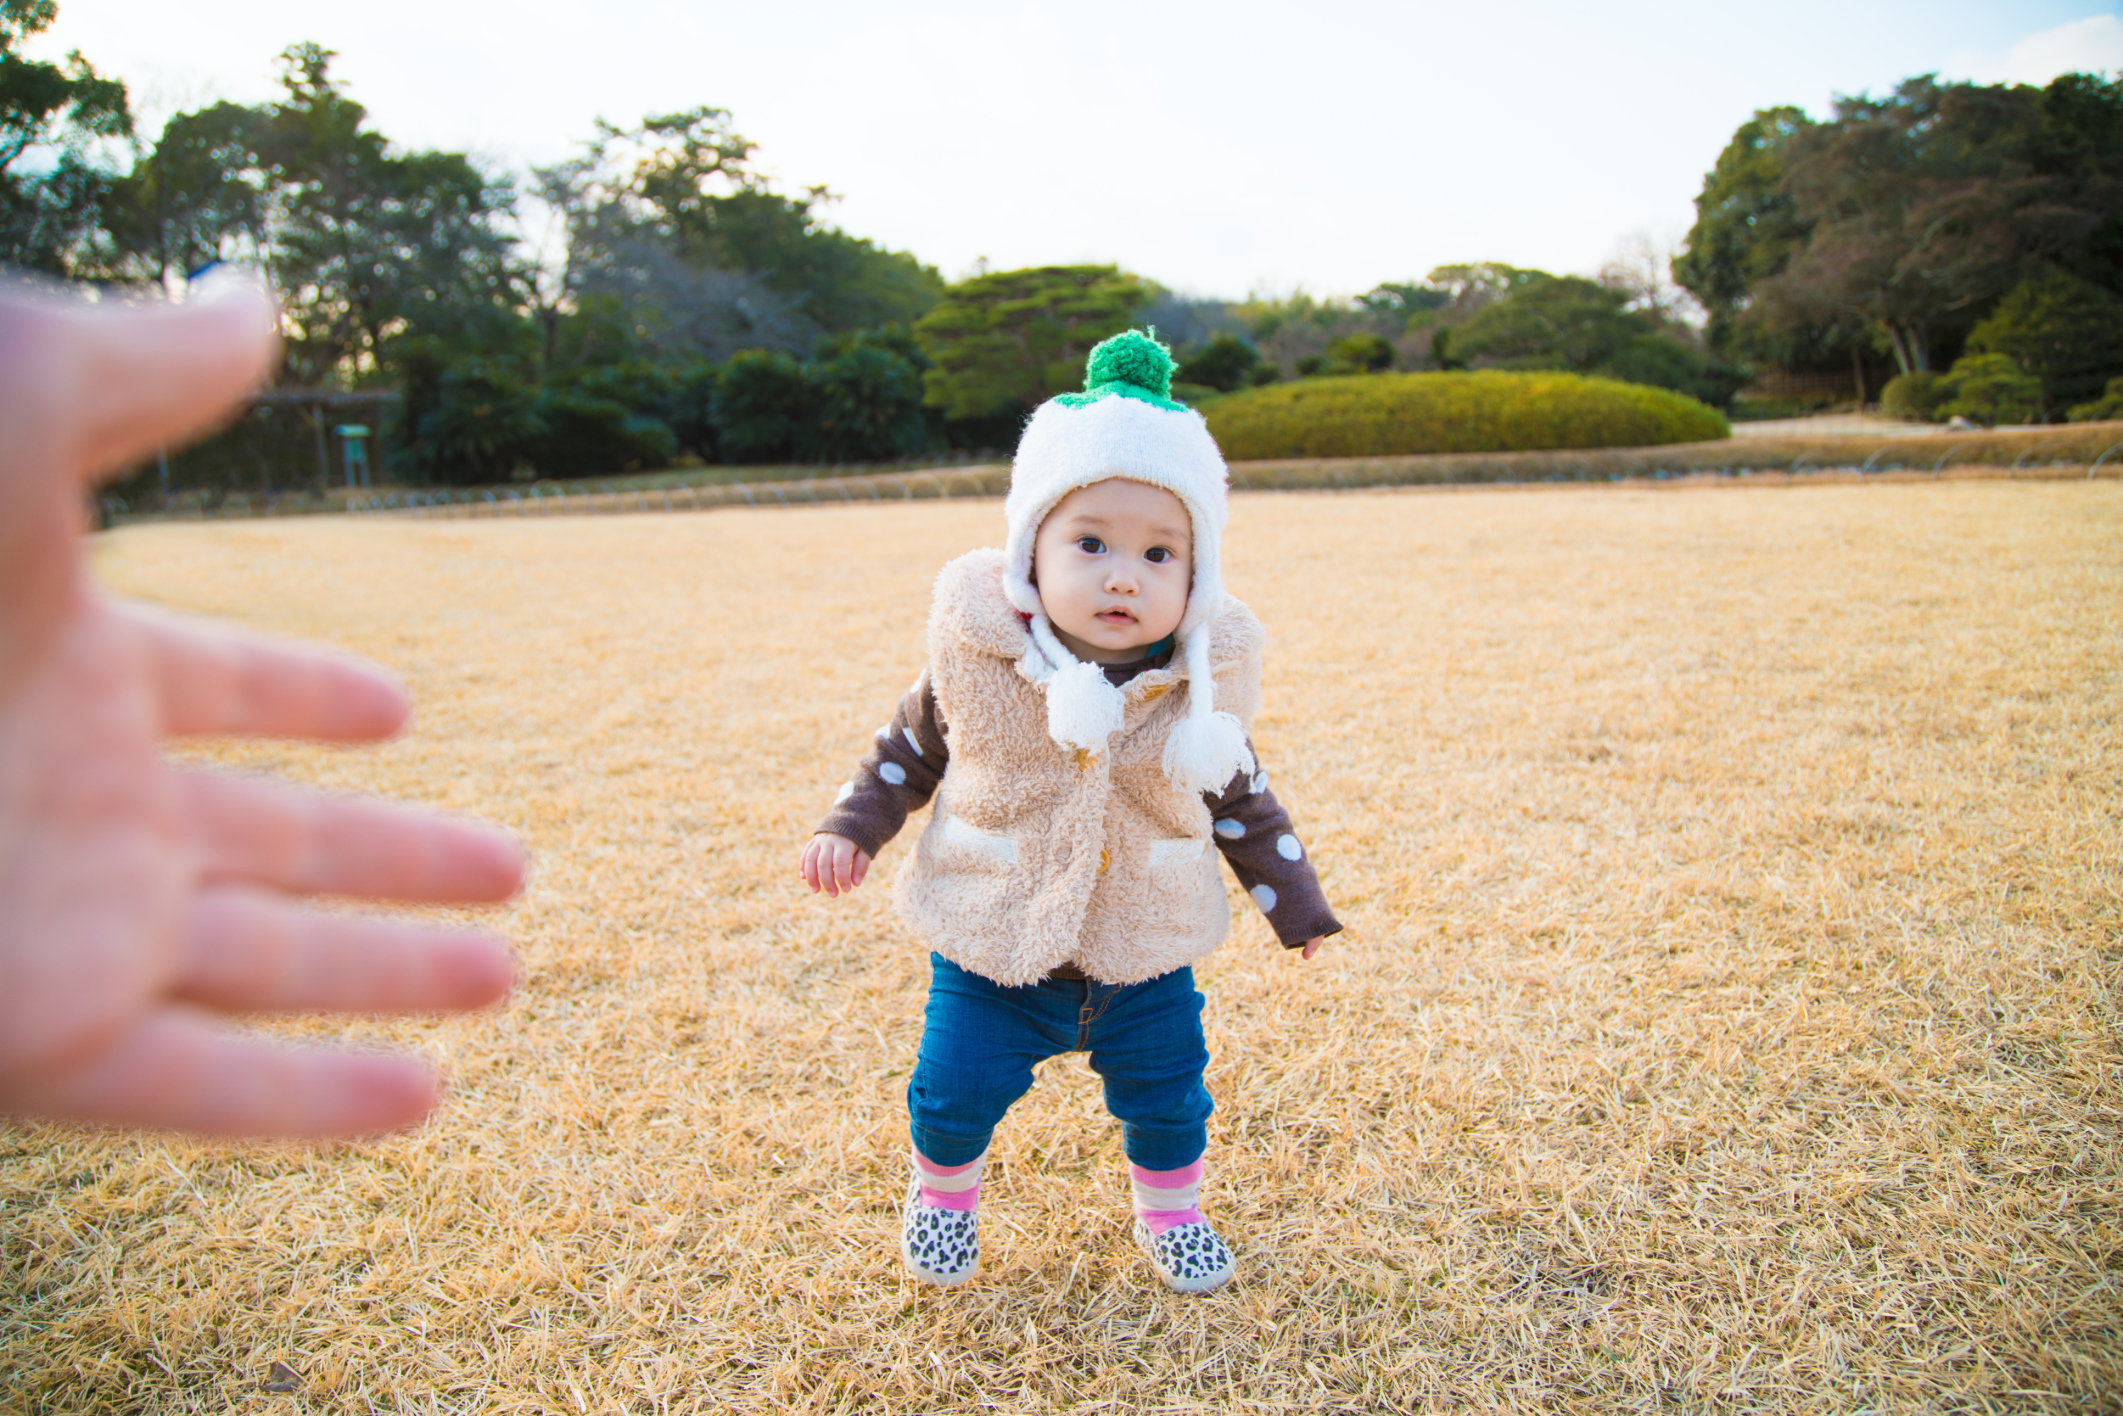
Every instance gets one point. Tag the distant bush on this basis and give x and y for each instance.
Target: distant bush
(1574, 325)
(1915, 397)
(2066, 332)
(2108, 405)
(764, 408)
(1359, 353)
(1381, 415)
(1225, 363)
(471, 425)
(581, 435)
(867, 406)
(689, 410)
(1991, 389)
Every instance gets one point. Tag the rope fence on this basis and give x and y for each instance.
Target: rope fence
(2033, 455)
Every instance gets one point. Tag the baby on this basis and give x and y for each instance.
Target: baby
(1082, 727)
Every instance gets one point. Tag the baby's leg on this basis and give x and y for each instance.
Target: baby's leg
(1149, 1049)
(1147, 1046)
(979, 1044)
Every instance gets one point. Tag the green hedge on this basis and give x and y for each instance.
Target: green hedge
(1385, 415)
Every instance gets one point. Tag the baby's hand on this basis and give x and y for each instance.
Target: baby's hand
(832, 863)
(1312, 946)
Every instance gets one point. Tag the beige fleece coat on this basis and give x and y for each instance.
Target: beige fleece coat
(1036, 855)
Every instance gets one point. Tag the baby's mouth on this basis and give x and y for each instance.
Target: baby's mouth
(1115, 617)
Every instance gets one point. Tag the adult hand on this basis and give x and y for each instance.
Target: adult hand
(139, 899)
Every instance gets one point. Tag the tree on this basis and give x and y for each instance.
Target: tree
(1011, 340)
(2082, 141)
(1360, 352)
(1403, 300)
(1568, 322)
(1906, 217)
(1552, 322)
(2065, 331)
(630, 295)
(200, 195)
(1467, 288)
(688, 178)
(1747, 224)
(1642, 269)
(54, 119)
(368, 243)
(1226, 363)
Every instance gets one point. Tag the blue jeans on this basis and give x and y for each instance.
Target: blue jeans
(980, 1042)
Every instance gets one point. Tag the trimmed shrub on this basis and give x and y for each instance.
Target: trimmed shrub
(2108, 405)
(1913, 397)
(1991, 389)
(1381, 415)
(2065, 331)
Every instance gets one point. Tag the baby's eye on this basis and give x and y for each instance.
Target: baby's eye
(1157, 555)
(1091, 544)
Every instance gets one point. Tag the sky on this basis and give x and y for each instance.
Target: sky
(1221, 149)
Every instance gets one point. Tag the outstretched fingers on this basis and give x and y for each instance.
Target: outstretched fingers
(302, 841)
(245, 949)
(213, 679)
(179, 1069)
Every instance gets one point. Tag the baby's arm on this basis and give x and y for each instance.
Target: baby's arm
(900, 774)
(1255, 834)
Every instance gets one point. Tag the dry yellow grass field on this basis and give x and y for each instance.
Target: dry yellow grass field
(1727, 1019)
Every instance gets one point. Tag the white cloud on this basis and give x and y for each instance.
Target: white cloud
(2094, 44)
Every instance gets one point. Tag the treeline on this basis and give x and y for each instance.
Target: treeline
(1969, 236)
(657, 298)
(671, 301)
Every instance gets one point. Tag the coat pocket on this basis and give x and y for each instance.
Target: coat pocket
(970, 845)
(1183, 850)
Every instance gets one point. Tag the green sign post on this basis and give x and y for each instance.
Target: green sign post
(354, 452)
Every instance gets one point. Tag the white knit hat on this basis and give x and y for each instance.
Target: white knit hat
(1125, 424)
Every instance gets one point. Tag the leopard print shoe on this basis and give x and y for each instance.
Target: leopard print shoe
(941, 1246)
(1190, 1258)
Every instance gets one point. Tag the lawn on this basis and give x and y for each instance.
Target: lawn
(1728, 1016)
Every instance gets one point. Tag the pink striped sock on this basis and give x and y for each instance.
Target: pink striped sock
(951, 1187)
(1165, 1199)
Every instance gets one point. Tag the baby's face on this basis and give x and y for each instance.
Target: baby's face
(1113, 563)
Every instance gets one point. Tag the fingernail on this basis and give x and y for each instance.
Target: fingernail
(224, 283)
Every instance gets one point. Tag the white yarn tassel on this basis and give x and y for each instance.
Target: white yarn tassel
(1207, 748)
(1084, 709)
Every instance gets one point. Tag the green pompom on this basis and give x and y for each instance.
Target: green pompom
(1131, 357)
